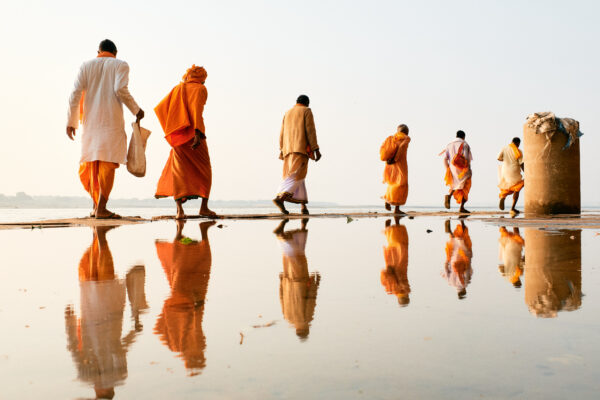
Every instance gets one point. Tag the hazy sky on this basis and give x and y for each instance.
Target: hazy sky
(438, 66)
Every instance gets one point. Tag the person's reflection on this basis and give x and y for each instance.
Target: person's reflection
(457, 269)
(394, 277)
(94, 339)
(186, 263)
(511, 250)
(552, 271)
(297, 288)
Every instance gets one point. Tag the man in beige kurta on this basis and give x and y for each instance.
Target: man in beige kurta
(297, 143)
(511, 180)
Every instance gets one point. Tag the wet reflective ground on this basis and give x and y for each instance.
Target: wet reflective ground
(325, 309)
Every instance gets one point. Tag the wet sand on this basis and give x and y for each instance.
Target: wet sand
(499, 218)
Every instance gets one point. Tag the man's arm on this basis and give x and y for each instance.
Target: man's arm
(74, 99)
(311, 133)
(122, 92)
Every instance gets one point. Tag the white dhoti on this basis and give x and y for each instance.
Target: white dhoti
(295, 167)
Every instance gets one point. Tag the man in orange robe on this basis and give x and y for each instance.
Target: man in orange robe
(395, 174)
(457, 159)
(394, 277)
(94, 339)
(97, 99)
(457, 269)
(186, 263)
(187, 173)
(297, 287)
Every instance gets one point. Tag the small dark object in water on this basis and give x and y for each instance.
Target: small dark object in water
(429, 231)
(411, 217)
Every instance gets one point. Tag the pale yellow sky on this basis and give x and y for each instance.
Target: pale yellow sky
(479, 66)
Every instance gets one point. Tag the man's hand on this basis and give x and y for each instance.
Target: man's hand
(71, 132)
(198, 137)
(317, 155)
(391, 161)
(139, 116)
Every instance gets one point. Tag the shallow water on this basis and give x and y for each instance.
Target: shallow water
(362, 311)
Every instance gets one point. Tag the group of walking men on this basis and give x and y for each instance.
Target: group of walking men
(97, 100)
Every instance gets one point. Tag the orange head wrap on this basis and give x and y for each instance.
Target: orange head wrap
(197, 74)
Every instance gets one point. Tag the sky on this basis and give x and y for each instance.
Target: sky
(437, 66)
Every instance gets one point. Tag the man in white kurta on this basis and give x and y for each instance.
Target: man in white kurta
(511, 250)
(511, 180)
(97, 100)
(457, 159)
(457, 268)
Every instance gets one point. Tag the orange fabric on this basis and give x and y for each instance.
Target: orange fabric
(101, 54)
(396, 174)
(295, 163)
(459, 194)
(513, 189)
(180, 112)
(197, 74)
(179, 326)
(96, 177)
(96, 263)
(518, 154)
(461, 162)
(394, 277)
(187, 173)
(512, 236)
(463, 262)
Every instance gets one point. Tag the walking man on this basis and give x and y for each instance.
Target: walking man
(457, 159)
(96, 101)
(511, 180)
(297, 143)
(395, 174)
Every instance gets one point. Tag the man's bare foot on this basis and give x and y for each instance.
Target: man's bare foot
(206, 212)
(464, 210)
(304, 210)
(447, 201)
(180, 213)
(514, 211)
(106, 214)
(279, 203)
(398, 212)
(388, 206)
(501, 205)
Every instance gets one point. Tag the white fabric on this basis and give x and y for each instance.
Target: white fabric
(510, 172)
(136, 154)
(296, 187)
(295, 245)
(449, 153)
(104, 81)
(449, 273)
(510, 254)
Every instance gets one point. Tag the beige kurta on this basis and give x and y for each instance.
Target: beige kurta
(298, 131)
(510, 170)
(103, 81)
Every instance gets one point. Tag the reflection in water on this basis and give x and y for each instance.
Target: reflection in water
(297, 288)
(553, 271)
(94, 339)
(186, 263)
(511, 250)
(457, 269)
(394, 277)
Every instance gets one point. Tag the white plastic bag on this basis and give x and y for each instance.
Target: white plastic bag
(136, 154)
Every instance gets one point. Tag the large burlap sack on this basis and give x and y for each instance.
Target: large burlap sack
(136, 154)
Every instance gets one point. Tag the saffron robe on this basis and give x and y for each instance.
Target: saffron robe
(457, 179)
(395, 175)
(96, 177)
(394, 277)
(457, 268)
(297, 288)
(511, 250)
(179, 326)
(187, 173)
(511, 180)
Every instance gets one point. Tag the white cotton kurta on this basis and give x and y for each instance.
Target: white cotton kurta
(450, 152)
(103, 81)
(510, 170)
(510, 254)
(454, 279)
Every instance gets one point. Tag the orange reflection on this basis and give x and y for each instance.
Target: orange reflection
(552, 272)
(94, 339)
(297, 288)
(457, 269)
(511, 254)
(186, 263)
(394, 277)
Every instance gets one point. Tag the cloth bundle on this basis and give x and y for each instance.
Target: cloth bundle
(136, 154)
(548, 124)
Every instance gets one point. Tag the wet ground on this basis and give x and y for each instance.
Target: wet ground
(335, 308)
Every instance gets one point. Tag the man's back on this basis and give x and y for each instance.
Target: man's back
(298, 131)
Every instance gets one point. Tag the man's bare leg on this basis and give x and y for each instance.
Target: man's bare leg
(180, 212)
(204, 210)
(280, 228)
(447, 199)
(278, 201)
(304, 209)
(101, 211)
(501, 205)
(397, 211)
(204, 229)
(388, 206)
(462, 208)
(514, 205)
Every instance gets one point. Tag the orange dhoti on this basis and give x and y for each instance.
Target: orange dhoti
(393, 151)
(459, 194)
(394, 277)
(516, 188)
(98, 177)
(187, 174)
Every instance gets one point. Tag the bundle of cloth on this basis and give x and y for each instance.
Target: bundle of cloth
(548, 124)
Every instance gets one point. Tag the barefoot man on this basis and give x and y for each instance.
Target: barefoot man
(457, 159)
(395, 174)
(511, 180)
(97, 101)
(187, 173)
(297, 143)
